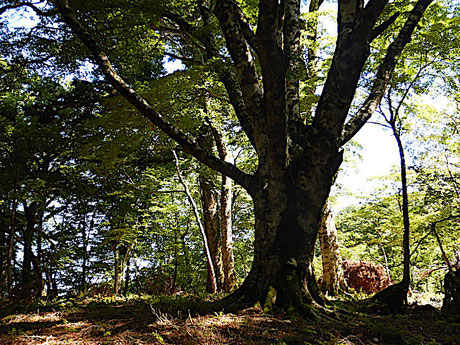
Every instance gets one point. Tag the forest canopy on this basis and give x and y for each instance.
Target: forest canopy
(121, 176)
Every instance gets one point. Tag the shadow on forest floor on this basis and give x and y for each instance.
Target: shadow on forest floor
(139, 322)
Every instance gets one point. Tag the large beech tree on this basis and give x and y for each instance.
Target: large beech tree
(297, 160)
(259, 59)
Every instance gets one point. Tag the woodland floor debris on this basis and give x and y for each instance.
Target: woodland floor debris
(135, 323)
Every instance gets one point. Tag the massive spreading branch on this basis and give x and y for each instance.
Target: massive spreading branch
(102, 60)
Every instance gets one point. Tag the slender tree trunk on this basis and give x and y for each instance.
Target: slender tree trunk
(10, 252)
(127, 276)
(140, 287)
(385, 257)
(48, 267)
(85, 239)
(28, 288)
(211, 221)
(405, 208)
(176, 254)
(228, 259)
(333, 275)
(85, 258)
(4, 230)
(46, 271)
(209, 261)
(395, 296)
(185, 250)
(38, 271)
(124, 265)
(116, 282)
(54, 284)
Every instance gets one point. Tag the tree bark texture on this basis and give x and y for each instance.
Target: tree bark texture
(226, 196)
(211, 224)
(333, 276)
(228, 259)
(297, 161)
(211, 221)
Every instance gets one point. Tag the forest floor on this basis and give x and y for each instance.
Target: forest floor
(141, 321)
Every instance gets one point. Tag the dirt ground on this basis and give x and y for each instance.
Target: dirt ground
(140, 322)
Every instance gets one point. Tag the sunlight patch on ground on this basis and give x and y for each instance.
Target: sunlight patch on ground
(22, 318)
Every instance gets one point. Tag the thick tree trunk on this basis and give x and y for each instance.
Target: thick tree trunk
(287, 217)
(333, 276)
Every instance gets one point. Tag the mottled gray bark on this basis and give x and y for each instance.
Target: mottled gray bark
(226, 195)
(211, 223)
(333, 276)
(211, 217)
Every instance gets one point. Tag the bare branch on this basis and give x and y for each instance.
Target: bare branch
(245, 92)
(291, 34)
(183, 58)
(377, 31)
(249, 35)
(374, 8)
(384, 72)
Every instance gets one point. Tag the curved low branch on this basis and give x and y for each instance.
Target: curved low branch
(189, 145)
